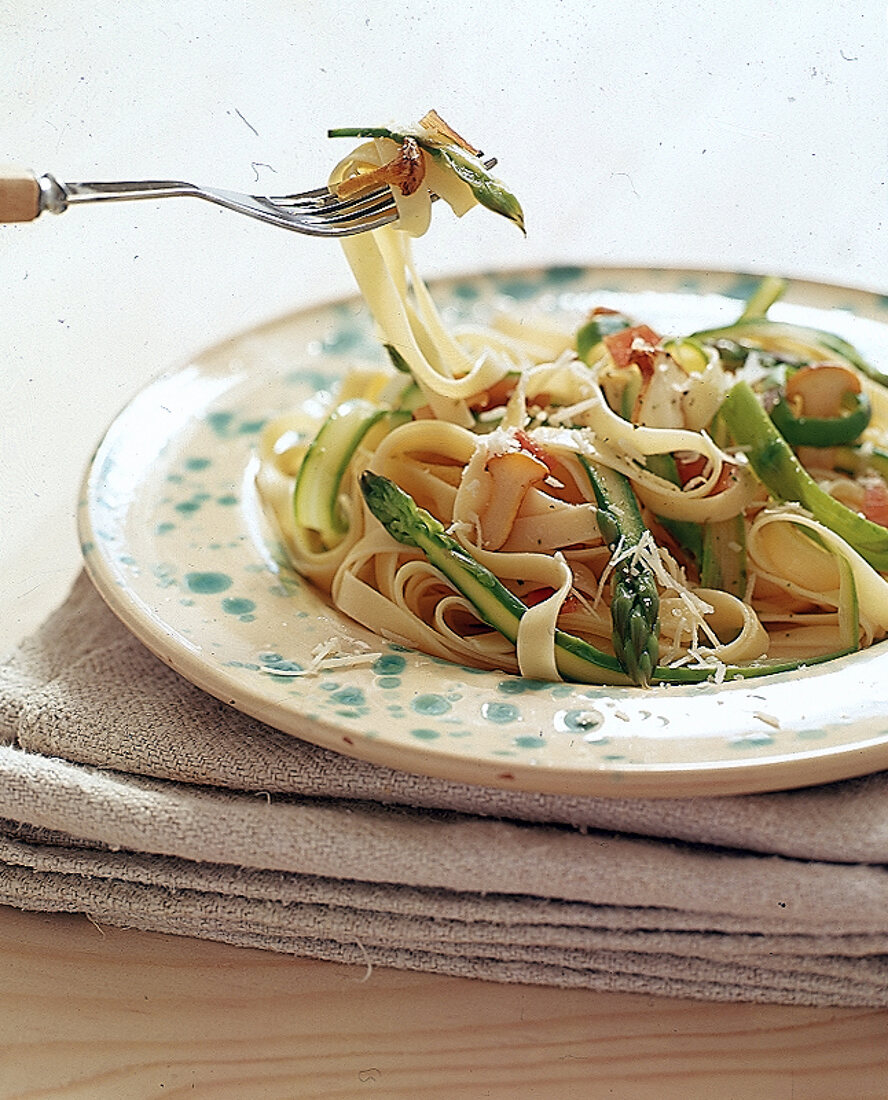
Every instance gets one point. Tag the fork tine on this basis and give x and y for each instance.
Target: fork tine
(343, 217)
(316, 193)
(360, 207)
(349, 223)
(326, 202)
(311, 200)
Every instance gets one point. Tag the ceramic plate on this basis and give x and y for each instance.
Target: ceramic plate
(177, 545)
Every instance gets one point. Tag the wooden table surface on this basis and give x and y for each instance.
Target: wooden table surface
(95, 1012)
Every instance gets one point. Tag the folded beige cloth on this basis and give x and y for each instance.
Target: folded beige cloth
(128, 794)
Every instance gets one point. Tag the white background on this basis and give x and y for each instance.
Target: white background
(734, 134)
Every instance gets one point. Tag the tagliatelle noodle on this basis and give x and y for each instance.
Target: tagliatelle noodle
(372, 601)
(318, 564)
(731, 616)
(425, 442)
(389, 605)
(563, 525)
(389, 306)
(540, 339)
(779, 550)
(485, 649)
(872, 588)
(420, 589)
(365, 605)
(535, 644)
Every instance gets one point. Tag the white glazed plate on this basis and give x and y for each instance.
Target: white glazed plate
(177, 545)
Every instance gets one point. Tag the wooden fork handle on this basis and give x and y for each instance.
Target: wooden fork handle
(19, 195)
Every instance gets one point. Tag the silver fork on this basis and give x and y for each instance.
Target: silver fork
(319, 213)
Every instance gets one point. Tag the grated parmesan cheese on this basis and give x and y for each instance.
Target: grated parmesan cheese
(334, 653)
(768, 719)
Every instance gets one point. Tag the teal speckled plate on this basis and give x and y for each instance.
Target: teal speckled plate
(176, 543)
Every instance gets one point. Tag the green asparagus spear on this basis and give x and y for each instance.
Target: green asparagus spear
(723, 561)
(777, 467)
(635, 602)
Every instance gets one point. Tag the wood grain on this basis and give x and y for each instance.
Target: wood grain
(102, 1012)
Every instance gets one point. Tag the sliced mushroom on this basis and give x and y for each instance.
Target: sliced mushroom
(817, 391)
(511, 475)
(405, 171)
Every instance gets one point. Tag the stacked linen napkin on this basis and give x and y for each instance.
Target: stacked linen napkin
(129, 795)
